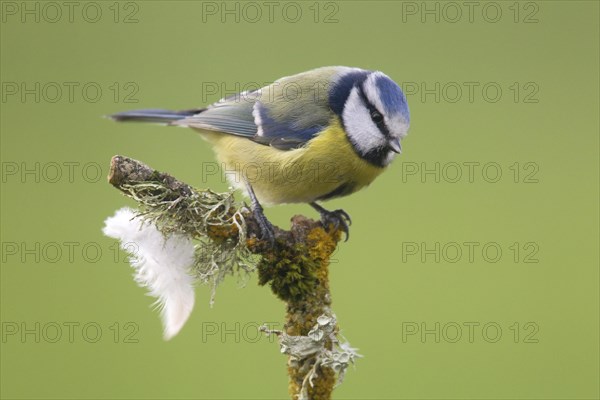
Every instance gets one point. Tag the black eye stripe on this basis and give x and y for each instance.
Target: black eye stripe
(372, 110)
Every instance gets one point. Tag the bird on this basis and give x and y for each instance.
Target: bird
(305, 138)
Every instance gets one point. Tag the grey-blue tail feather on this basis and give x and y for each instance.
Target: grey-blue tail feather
(154, 116)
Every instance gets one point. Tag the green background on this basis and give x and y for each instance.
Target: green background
(378, 288)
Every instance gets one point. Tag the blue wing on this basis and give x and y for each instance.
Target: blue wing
(272, 115)
(235, 119)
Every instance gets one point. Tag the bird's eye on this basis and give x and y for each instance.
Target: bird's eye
(376, 116)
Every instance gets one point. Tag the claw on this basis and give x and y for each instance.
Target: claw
(345, 215)
(266, 228)
(338, 218)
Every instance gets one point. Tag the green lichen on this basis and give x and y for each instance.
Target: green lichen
(290, 271)
(213, 220)
(298, 271)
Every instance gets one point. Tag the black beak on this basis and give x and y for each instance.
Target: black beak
(395, 145)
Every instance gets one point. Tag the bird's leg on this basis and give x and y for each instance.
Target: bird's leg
(339, 218)
(266, 228)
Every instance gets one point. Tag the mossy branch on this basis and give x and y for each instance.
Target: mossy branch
(295, 266)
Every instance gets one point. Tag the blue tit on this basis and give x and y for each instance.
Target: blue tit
(305, 138)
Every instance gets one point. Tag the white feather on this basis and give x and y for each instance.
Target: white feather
(162, 265)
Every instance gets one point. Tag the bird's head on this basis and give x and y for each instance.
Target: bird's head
(374, 113)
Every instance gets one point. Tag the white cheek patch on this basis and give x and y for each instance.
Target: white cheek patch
(360, 128)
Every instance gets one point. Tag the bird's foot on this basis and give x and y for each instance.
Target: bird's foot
(267, 230)
(338, 218)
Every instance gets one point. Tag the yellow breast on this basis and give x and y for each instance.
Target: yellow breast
(326, 167)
